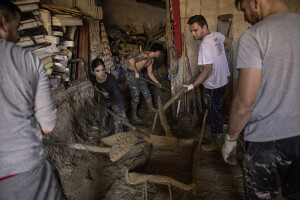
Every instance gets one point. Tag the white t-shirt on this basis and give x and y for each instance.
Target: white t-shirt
(211, 51)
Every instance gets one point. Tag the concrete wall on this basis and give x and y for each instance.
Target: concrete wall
(129, 12)
(210, 9)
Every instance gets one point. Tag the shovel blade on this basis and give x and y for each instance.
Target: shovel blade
(113, 139)
(164, 141)
(123, 143)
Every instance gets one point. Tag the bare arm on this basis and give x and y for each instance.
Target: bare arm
(46, 131)
(206, 72)
(150, 72)
(227, 43)
(243, 101)
(133, 65)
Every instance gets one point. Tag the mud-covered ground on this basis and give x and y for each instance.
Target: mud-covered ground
(92, 176)
(87, 175)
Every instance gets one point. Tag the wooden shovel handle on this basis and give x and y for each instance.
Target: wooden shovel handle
(154, 83)
(78, 146)
(136, 131)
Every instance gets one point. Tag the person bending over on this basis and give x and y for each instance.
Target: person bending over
(110, 92)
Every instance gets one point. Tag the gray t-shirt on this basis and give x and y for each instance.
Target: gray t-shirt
(26, 107)
(273, 45)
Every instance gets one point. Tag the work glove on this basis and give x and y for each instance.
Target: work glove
(229, 150)
(158, 85)
(137, 75)
(187, 87)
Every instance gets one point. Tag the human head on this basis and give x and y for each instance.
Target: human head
(198, 27)
(157, 49)
(250, 9)
(98, 68)
(10, 17)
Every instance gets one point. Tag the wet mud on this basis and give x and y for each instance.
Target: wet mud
(86, 175)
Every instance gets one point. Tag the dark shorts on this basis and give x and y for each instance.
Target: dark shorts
(269, 166)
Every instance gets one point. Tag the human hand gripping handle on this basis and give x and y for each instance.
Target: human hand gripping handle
(187, 87)
(159, 85)
(137, 75)
(229, 150)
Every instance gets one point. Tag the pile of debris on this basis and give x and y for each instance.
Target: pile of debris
(127, 41)
(50, 36)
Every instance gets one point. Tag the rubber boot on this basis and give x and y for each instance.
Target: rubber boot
(134, 116)
(150, 106)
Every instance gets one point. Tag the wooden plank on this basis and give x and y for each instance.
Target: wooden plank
(28, 7)
(83, 49)
(18, 2)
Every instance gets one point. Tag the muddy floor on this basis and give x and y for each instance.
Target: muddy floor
(86, 175)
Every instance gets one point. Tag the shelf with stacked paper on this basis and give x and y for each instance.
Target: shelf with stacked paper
(51, 37)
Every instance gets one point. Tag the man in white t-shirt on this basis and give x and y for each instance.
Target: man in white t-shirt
(214, 74)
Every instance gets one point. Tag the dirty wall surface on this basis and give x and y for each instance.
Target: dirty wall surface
(86, 175)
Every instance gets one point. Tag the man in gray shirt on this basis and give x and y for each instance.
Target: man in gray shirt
(26, 110)
(267, 102)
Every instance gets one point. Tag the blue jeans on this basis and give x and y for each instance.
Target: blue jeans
(39, 183)
(270, 165)
(214, 97)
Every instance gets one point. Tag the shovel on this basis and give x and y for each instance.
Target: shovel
(154, 140)
(162, 87)
(120, 144)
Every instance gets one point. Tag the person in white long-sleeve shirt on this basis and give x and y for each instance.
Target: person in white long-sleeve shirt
(26, 111)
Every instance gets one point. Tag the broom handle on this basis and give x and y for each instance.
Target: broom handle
(162, 87)
(137, 131)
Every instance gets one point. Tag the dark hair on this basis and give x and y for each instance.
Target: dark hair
(96, 62)
(156, 47)
(8, 10)
(199, 19)
(238, 3)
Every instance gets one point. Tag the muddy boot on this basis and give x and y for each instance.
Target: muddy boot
(150, 106)
(212, 146)
(134, 116)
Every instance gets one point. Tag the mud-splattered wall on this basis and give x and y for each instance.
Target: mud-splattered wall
(78, 122)
(86, 175)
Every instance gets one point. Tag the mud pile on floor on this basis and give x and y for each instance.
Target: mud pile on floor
(86, 175)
